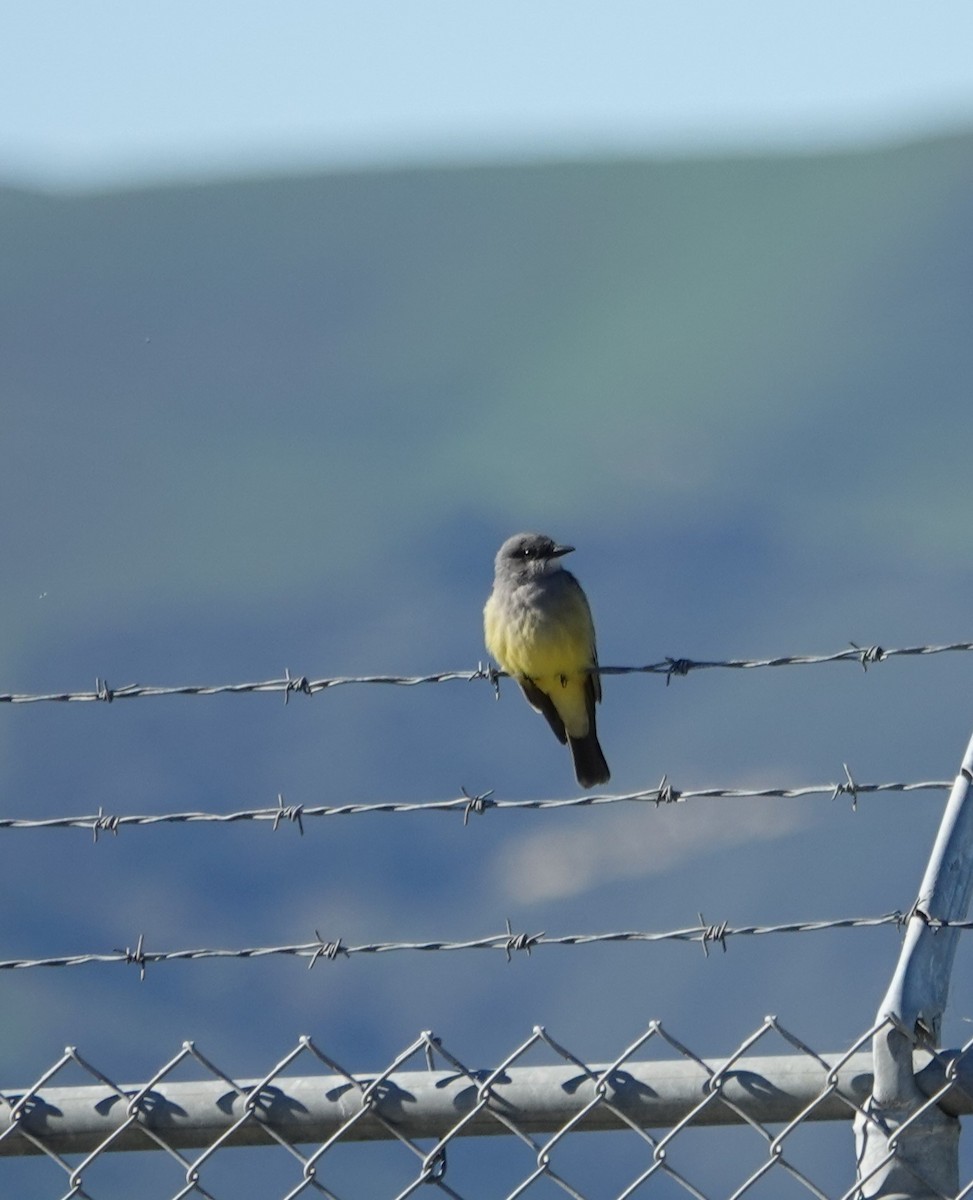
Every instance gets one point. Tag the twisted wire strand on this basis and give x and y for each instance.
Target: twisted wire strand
(467, 804)
(669, 667)
(508, 942)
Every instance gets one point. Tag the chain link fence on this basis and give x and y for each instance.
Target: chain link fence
(552, 1123)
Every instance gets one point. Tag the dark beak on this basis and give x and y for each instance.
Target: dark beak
(559, 550)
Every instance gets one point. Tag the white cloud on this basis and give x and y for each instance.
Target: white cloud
(629, 843)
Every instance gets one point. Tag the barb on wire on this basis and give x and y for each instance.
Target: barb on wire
(520, 941)
(328, 950)
(466, 804)
(136, 956)
(507, 941)
(848, 788)
(476, 804)
(712, 933)
(291, 812)
(289, 684)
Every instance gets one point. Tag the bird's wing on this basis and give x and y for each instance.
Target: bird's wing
(545, 705)
(593, 686)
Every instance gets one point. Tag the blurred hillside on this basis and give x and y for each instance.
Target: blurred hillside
(286, 423)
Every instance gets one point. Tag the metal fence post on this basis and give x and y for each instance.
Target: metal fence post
(904, 1153)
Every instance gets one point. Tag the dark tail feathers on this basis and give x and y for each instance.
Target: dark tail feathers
(589, 762)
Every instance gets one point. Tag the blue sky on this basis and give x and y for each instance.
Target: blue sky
(111, 91)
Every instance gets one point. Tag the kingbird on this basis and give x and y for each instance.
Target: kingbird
(538, 626)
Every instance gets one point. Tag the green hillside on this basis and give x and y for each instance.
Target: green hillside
(578, 339)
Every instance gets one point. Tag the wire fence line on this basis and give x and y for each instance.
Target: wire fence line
(865, 656)
(55, 1123)
(538, 1098)
(509, 942)
(467, 804)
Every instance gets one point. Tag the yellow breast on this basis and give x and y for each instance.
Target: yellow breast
(556, 640)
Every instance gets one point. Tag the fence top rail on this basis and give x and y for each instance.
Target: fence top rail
(427, 1091)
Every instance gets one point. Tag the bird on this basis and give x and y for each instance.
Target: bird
(537, 625)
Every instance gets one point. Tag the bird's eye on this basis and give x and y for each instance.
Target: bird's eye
(527, 552)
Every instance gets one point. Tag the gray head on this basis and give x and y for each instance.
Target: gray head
(529, 556)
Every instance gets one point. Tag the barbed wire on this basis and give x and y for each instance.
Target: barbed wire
(468, 804)
(865, 656)
(508, 941)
